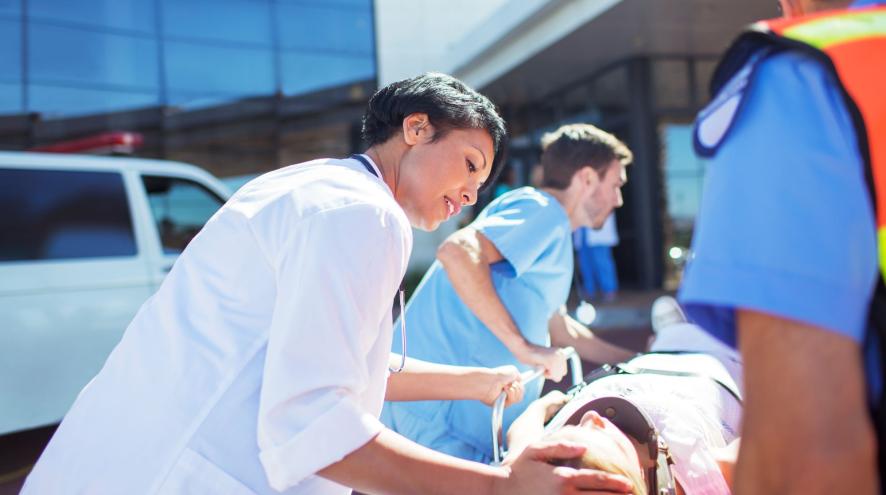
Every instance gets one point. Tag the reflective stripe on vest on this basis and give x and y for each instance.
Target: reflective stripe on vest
(855, 42)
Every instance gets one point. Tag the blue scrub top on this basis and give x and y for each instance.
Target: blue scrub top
(786, 224)
(532, 231)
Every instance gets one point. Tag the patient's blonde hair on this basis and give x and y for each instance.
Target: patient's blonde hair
(593, 459)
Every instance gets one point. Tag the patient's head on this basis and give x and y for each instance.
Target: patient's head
(608, 449)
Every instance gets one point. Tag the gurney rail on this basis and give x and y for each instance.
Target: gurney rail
(498, 409)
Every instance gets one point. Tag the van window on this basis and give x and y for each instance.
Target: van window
(59, 214)
(180, 208)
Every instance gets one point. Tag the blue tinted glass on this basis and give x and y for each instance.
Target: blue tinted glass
(303, 72)
(10, 7)
(180, 208)
(60, 101)
(10, 51)
(684, 197)
(137, 15)
(346, 3)
(211, 69)
(679, 154)
(325, 28)
(227, 20)
(684, 172)
(63, 214)
(10, 99)
(191, 100)
(78, 56)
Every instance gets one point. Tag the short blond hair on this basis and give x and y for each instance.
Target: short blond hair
(594, 458)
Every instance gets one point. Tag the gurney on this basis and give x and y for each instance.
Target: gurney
(627, 416)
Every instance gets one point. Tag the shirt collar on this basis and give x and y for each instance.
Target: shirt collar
(374, 166)
(378, 175)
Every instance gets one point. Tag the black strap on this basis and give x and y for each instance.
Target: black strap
(362, 159)
(627, 369)
(876, 332)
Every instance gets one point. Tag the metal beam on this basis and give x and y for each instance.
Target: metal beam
(645, 176)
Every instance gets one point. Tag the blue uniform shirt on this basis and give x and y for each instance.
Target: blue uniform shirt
(532, 231)
(786, 224)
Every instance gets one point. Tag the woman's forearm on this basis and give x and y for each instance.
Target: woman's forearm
(423, 380)
(418, 470)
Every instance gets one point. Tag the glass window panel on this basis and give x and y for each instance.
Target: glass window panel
(228, 20)
(60, 101)
(137, 15)
(213, 69)
(679, 152)
(10, 7)
(684, 172)
(684, 197)
(325, 28)
(304, 72)
(180, 208)
(345, 3)
(70, 55)
(191, 100)
(10, 50)
(63, 214)
(11, 99)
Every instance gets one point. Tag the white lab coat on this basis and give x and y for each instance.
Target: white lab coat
(260, 360)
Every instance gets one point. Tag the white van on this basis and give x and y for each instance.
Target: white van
(84, 241)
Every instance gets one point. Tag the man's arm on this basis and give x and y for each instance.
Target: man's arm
(806, 427)
(566, 332)
(421, 380)
(391, 464)
(466, 256)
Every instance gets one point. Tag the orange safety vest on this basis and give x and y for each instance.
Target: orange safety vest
(851, 44)
(854, 44)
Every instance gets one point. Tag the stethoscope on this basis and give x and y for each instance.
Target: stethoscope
(402, 291)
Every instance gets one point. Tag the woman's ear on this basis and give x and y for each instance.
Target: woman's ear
(417, 128)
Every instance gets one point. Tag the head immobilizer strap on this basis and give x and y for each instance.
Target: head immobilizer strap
(631, 420)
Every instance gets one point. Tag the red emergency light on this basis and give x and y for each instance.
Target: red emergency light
(106, 143)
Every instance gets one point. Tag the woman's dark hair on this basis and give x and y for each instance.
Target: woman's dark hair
(448, 103)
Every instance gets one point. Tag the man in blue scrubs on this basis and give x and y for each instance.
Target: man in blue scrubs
(499, 282)
(785, 265)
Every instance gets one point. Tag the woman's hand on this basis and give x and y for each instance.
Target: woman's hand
(491, 382)
(530, 473)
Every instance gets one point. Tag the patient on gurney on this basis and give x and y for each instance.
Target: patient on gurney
(679, 404)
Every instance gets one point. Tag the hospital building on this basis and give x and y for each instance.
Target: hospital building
(245, 86)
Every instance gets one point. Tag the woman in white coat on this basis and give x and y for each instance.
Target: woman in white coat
(261, 363)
